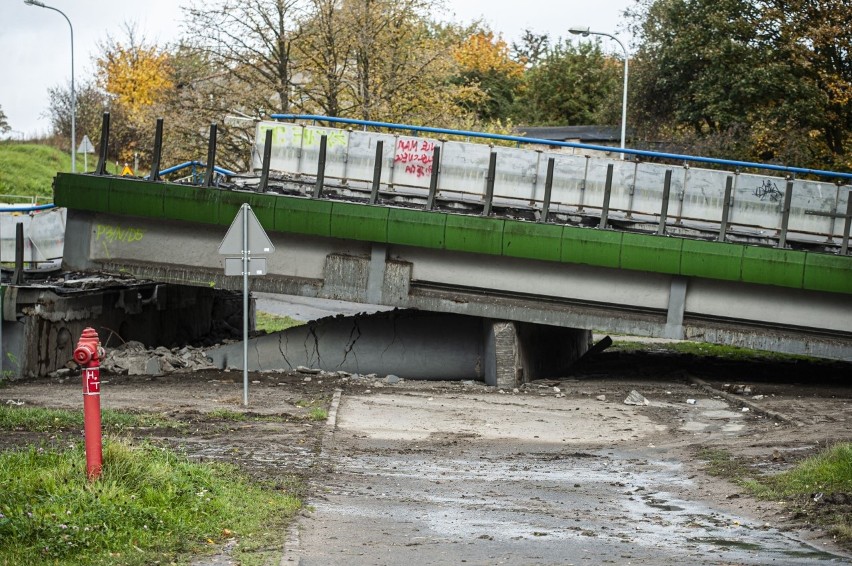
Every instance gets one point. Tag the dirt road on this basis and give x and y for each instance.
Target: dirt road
(556, 472)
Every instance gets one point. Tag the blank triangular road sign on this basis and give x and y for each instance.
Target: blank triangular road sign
(258, 241)
(86, 146)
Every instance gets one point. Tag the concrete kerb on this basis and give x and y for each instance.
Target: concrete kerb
(331, 421)
(292, 539)
(739, 400)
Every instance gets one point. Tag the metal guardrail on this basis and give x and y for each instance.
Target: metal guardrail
(194, 165)
(537, 141)
(706, 203)
(26, 208)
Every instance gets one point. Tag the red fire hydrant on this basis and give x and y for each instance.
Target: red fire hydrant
(88, 354)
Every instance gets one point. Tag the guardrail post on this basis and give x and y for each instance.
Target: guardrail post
(548, 189)
(785, 214)
(18, 274)
(377, 171)
(726, 208)
(433, 180)
(607, 195)
(583, 185)
(321, 166)
(664, 209)
(158, 148)
(211, 156)
(489, 184)
(267, 157)
(844, 248)
(102, 158)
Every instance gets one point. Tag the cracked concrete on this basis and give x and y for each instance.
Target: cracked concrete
(415, 345)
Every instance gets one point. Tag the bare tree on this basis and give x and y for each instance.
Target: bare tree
(323, 54)
(250, 41)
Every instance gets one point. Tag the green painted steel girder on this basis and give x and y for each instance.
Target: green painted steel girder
(459, 232)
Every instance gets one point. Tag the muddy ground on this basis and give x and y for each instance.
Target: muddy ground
(555, 472)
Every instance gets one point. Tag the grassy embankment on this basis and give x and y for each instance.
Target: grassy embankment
(150, 506)
(28, 169)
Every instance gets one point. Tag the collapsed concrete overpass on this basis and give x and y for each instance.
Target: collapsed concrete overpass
(601, 251)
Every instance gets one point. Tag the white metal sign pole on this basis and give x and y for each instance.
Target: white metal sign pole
(245, 302)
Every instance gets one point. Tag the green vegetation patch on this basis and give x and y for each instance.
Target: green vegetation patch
(38, 419)
(318, 414)
(820, 487)
(269, 322)
(28, 169)
(828, 472)
(150, 506)
(705, 349)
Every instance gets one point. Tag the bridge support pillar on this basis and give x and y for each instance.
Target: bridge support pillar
(519, 352)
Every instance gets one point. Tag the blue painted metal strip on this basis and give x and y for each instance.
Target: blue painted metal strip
(27, 208)
(520, 139)
(187, 164)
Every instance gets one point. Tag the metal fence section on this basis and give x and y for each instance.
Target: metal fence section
(760, 206)
(44, 234)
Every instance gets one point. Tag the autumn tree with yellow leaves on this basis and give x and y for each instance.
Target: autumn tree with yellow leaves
(136, 76)
(485, 63)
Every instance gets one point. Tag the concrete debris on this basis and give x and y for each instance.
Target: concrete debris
(690, 401)
(133, 358)
(758, 397)
(741, 389)
(303, 369)
(635, 398)
(601, 397)
(391, 379)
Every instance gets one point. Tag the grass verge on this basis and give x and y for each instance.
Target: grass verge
(151, 505)
(819, 487)
(269, 322)
(705, 349)
(37, 419)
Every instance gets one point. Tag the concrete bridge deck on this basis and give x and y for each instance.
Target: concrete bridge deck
(499, 268)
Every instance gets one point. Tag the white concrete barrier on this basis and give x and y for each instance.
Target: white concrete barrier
(697, 195)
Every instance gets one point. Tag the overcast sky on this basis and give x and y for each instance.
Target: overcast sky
(35, 42)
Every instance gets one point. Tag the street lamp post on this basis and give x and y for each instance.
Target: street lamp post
(586, 33)
(73, 93)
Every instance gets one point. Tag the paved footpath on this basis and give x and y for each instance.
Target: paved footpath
(420, 477)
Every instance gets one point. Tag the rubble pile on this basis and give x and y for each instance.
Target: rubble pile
(133, 358)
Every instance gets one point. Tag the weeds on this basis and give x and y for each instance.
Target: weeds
(318, 414)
